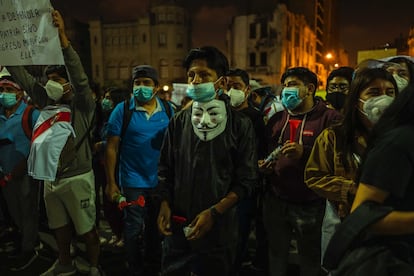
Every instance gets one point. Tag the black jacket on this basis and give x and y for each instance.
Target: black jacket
(194, 174)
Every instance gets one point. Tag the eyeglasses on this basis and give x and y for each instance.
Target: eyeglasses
(338, 86)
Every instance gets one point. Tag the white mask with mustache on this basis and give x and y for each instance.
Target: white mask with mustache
(209, 119)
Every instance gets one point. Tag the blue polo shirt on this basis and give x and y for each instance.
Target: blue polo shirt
(141, 144)
(14, 146)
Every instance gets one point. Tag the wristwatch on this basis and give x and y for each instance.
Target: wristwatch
(214, 213)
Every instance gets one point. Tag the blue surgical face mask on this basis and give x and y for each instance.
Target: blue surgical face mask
(203, 92)
(290, 97)
(106, 104)
(143, 93)
(8, 99)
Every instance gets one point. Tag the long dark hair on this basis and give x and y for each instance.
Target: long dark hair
(351, 124)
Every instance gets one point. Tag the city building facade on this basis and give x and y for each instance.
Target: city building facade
(160, 39)
(266, 45)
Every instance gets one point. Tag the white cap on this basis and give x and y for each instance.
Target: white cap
(254, 85)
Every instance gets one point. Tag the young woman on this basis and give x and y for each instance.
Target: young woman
(336, 154)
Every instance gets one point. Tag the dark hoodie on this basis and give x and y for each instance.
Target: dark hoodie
(195, 174)
(287, 181)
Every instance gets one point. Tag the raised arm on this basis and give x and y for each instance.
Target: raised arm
(78, 78)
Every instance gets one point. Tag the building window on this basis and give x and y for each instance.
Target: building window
(180, 40)
(95, 40)
(115, 41)
(180, 18)
(161, 17)
(178, 71)
(144, 38)
(164, 69)
(252, 59)
(297, 37)
(112, 72)
(170, 18)
(162, 40)
(263, 58)
(263, 29)
(97, 70)
(252, 33)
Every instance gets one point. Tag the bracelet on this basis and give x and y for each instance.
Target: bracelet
(214, 213)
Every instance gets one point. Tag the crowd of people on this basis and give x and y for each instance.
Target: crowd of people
(184, 187)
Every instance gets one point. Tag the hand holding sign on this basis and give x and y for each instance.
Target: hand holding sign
(27, 35)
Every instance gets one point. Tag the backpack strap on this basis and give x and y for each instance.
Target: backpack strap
(126, 118)
(350, 229)
(167, 108)
(87, 133)
(27, 119)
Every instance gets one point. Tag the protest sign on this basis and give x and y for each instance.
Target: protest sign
(27, 34)
(178, 93)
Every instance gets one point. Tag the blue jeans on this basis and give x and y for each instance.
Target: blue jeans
(140, 229)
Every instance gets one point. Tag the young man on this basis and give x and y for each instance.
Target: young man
(289, 204)
(263, 99)
(19, 190)
(337, 87)
(207, 165)
(72, 105)
(139, 150)
(250, 208)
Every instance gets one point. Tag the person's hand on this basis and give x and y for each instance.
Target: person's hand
(60, 24)
(97, 147)
(202, 223)
(292, 150)
(58, 21)
(265, 167)
(164, 219)
(111, 190)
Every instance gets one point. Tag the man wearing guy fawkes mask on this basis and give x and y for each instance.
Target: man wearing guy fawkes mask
(207, 164)
(62, 158)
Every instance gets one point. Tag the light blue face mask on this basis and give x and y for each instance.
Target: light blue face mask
(203, 92)
(8, 99)
(290, 97)
(143, 93)
(106, 104)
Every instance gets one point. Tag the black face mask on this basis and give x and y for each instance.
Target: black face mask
(336, 99)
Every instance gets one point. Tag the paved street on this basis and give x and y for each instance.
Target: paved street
(111, 261)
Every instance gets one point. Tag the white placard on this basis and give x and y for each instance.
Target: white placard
(178, 93)
(27, 34)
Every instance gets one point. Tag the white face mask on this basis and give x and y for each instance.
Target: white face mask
(401, 82)
(209, 119)
(374, 107)
(237, 97)
(55, 90)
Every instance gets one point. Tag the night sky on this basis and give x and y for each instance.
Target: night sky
(364, 23)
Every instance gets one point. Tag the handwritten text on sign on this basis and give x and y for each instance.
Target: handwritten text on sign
(27, 35)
